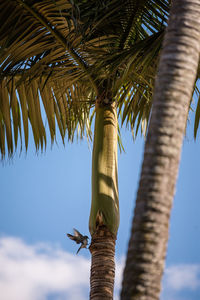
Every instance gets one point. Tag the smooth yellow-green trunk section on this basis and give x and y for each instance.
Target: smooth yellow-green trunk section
(105, 202)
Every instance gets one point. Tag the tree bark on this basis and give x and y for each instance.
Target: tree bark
(104, 215)
(173, 91)
(102, 273)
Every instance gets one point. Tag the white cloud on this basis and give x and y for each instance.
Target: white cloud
(44, 272)
(41, 272)
(118, 276)
(34, 272)
(183, 277)
(179, 279)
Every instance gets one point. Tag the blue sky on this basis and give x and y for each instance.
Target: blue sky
(43, 196)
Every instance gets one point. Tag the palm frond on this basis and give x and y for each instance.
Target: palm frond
(69, 107)
(57, 57)
(131, 58)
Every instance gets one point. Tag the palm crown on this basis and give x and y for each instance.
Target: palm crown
(71, 53)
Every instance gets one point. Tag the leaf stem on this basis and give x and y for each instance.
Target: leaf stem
(66, 45)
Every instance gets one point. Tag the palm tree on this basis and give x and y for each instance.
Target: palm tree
(174, 86)
(74, 56)
(82, 58)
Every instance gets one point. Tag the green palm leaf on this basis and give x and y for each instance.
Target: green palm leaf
(57, 57)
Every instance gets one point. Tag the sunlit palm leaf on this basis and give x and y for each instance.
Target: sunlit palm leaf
(58, 102)
(57, 57)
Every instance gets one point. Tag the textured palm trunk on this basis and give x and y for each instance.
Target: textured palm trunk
(104, 215)
(173, 91)
(102, 273)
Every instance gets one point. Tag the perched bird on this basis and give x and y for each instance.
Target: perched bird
(79, 239)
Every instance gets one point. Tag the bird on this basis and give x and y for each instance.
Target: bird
(79, 239)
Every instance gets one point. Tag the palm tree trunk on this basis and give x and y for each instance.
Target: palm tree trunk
(104, 215)
(102, 273)
(173, 91)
